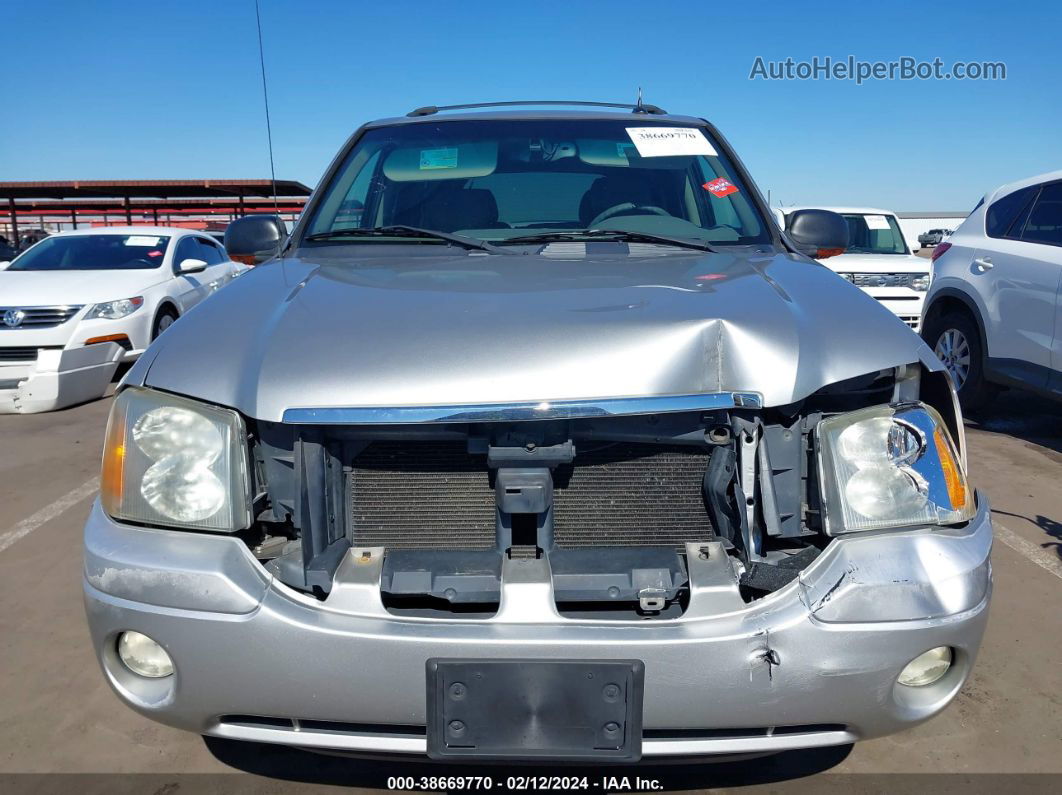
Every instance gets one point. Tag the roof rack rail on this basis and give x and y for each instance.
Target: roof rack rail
(641, 107)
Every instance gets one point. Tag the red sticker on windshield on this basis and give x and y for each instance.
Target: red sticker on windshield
(720, 187)
(154, 253)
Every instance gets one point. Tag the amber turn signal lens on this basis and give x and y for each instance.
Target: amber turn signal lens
(119, 338)
(953, 478)
(111, 474)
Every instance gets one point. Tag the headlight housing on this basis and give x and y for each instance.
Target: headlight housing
(919, 281)
(175, 462)
(113, 310)
(890, 466)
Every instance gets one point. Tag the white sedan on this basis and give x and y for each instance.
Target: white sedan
(78, 303)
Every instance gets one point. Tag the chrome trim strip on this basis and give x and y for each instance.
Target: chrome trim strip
(57, 307)
(519, 412)
(408, 744)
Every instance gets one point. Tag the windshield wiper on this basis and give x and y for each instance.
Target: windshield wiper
(618, 235)
(401, 230)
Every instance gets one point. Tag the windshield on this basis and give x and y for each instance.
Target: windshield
(103, 252)
(873, 234)
(495, 180)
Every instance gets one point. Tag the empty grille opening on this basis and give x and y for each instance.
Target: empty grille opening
(631, 495)
(415, 495)
(424, 495)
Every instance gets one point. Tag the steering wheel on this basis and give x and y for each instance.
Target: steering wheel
(627, 208)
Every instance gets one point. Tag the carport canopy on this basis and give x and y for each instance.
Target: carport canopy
(173, 195)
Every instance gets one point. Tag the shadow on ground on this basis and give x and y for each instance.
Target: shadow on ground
(1036, 421)
(1024, 416)
(1048, 525)
(292, 764)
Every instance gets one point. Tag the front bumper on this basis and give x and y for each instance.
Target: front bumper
(812, 664)
(58, 378)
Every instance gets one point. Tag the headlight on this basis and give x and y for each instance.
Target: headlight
(890, 466)
(112, 310)
(176, 462)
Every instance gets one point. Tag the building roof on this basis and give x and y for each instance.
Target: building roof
(927, 215)
(839, 209)
(127, 230)
(165, 188)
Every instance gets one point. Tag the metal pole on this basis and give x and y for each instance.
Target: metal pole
(14, 222)
(155, 214)
(128, 212)
(241, 206)
(73, 217)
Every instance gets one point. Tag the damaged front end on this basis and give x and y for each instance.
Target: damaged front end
(700, 537)
(617, 507)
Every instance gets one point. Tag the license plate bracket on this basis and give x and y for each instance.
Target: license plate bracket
(583, 710)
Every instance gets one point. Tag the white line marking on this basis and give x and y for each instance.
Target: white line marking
(49, 512)
(1027, 549)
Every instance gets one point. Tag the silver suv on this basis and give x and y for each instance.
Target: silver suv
(538, 440)
(992, 312)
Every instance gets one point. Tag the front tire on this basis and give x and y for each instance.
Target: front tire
(165, 318)
(956, 340)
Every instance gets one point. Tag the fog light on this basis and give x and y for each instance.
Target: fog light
(926, 668)
(144, 656)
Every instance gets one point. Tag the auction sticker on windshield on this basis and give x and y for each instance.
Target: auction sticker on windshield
(720, 187)
(670, 141)
(141, 240)
(876, 221)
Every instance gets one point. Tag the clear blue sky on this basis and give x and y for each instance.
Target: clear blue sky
(142, 90)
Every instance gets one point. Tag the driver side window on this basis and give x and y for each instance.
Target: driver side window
(187, 248)
(209, 252)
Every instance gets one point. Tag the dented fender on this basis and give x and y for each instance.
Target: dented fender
(906, 575)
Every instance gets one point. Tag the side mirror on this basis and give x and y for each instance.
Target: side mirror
(818, 233)
(255, 238)
(191, 265)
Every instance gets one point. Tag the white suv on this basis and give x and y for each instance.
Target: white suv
(76, 304)
(993, 312)
(879, 260)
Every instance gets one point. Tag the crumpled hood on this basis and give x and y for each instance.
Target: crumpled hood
(458, 329)
(57, 288)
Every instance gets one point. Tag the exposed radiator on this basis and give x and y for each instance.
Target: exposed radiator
(436, 495)
(631, 495)
(407, 495)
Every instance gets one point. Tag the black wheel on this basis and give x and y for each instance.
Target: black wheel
(956, 341)
(163, 321)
